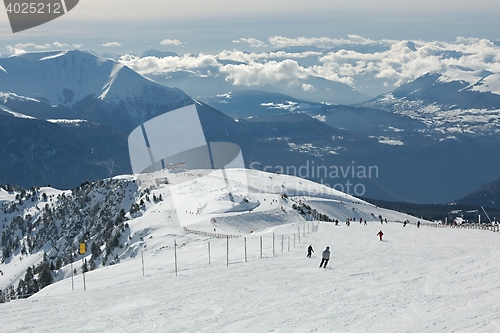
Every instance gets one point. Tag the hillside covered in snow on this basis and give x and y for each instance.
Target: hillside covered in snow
(258, 278)
(118, 218)
(452, 100)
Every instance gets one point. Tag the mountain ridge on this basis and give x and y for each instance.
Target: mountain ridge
(486, 195)
(326, 136)
(456, 101)
(83, 86)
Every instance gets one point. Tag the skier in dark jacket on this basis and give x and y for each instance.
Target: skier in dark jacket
(380, 234)
(309, 251)
(326, 257)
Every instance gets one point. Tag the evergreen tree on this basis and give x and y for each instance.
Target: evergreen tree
(45, 277)
(58, 263)
(96, 251)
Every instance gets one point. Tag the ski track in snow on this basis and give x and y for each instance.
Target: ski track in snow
(417, 280)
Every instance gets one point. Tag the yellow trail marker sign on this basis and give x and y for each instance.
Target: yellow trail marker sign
(83, 248)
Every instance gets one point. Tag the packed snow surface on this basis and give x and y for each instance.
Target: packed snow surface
(416, 280)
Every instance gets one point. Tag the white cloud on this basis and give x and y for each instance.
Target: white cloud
(148, 65)
(169, 42)
(253, 42)
(308, 87)
(33, 46)
(322, 42)
(401, 64)
(111, 44)
(287, 72)
(247, 57)
(250, 69)
(356, 61)
(14, 51)
(60, 45)
(21, 48)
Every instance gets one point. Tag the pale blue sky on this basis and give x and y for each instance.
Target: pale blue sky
(211, 26)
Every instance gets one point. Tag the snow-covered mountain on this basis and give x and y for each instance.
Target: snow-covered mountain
(370, 121)
(456, 100)
(166, 278)
(79, 85)
(120, 217)
(65, 116)
(64, 127)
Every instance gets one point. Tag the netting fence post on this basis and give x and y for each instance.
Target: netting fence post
(261, 246)
(273, 244)
(175, 256)
(245, 249)
(142, 260)
(84, 266)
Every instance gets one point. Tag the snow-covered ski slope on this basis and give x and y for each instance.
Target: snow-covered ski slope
(416, 280)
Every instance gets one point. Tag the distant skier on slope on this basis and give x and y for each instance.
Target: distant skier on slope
(326, 257)
(418, 224)
(309, 251)
(380, 234)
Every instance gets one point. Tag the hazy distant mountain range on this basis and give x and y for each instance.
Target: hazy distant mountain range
(203, 86)
(66, 118)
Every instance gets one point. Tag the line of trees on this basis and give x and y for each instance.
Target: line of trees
(439, 212)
